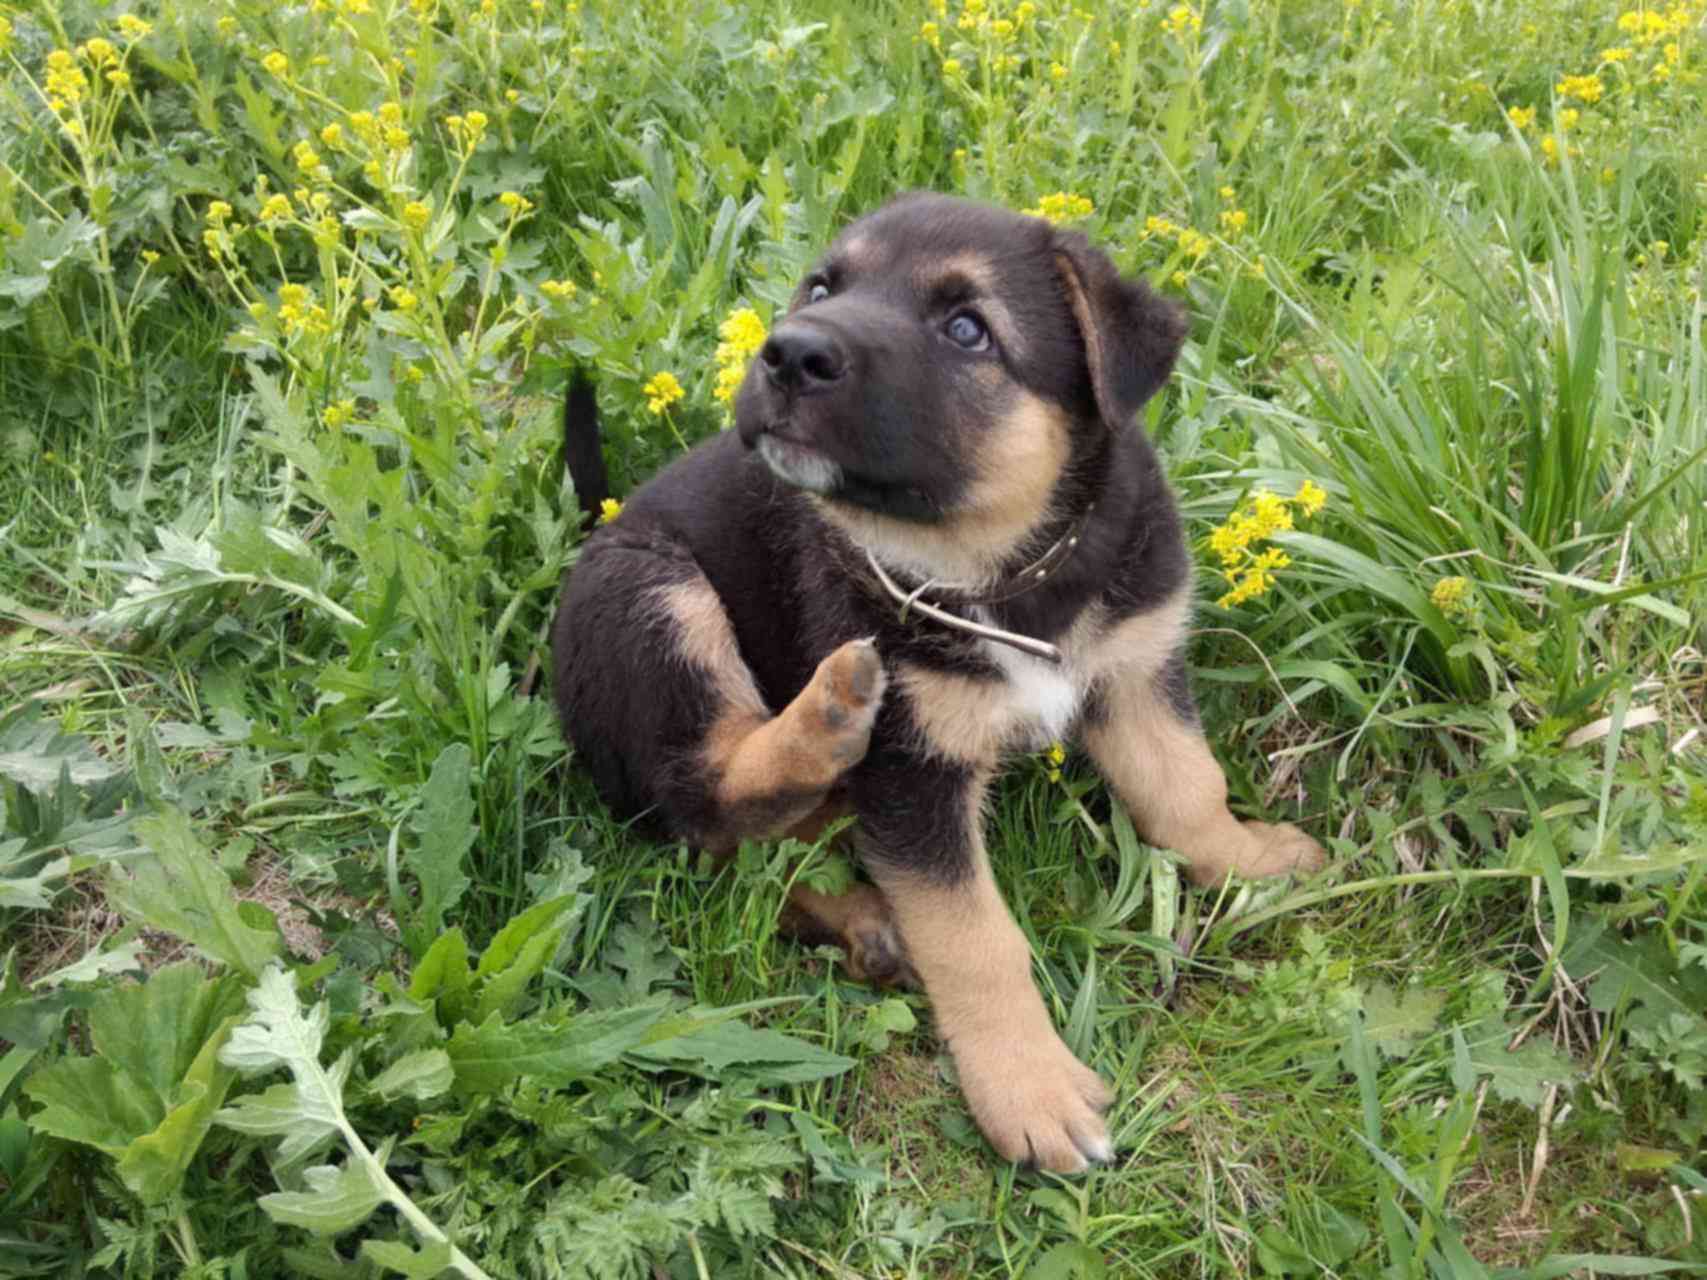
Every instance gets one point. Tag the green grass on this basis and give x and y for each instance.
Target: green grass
(283, 520)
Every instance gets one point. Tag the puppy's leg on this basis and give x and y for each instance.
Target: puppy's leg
(1032, 1098)
(860, 923)
(1143, 733)
(667, 715)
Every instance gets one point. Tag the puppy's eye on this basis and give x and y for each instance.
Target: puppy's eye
(966, 329)
(817, 291)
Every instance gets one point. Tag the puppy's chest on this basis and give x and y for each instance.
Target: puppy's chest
(1035, 702)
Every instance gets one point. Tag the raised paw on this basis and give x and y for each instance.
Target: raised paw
(1035, 1102)
(875, 955)
(845, 693)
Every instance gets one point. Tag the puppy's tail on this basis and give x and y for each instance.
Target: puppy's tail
(581, 452)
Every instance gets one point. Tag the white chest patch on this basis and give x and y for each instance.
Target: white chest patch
(1042, 698)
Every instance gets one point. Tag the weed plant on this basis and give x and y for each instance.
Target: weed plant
(319, 958)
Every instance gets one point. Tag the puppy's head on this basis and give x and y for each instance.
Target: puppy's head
(940, 370)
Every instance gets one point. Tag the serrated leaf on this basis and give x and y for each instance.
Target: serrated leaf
(1634, 972)
(762, 1054)
(508, 944)
(1394, 1023)
(1518, 1075)
(336, 1199)
(444, 829)
(424, 1074)
(416, 1264)
(182, 890)
(550, 1051)
(278, 1111)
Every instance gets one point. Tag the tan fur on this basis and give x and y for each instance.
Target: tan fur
(1088, 326)
(1031, 1097)
(773, 772)
(859, 922)
(1172, 785)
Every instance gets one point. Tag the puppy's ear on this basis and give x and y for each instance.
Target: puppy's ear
(1131, 335)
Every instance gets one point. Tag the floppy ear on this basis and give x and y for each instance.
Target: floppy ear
(1131, 335)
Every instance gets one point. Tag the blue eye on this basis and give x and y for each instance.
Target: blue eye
(818, 291)
(966, 329)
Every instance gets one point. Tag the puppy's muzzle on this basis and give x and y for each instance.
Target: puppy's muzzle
(802, 359)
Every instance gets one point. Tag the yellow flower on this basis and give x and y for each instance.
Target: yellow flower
(333, 134)
(276, 207)
(609, 510)
(951, 67)
(1617, 54)
(1062, 206)
(1550, 149)
(1451, 596)
(1311, 498)
(743, 333)
(416, 215)
(227, 26)
(1155, 226)
(516, 203)
(336, 415)
(1002, 28)
(391, 114)
(1568, 118)
(661, 391)
(1194, 244)
(1227, 195)
(119, 78)
(65, 79)
(1584, 88)
(931, 34)
(218, 212)
(277, 63)
(1233, 221)
(1054, 756)
(307, 158)
(133, 27)
(1248, 571)
(1181, 19)
(1057, 71)
(1522, 117)
(149, 257)
(397, 139)
(99, 51)
(561, 290)
(403, 299)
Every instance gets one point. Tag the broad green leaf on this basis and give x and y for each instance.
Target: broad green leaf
(277, 1033)
(444, 829)
(510, 941)
(124, 958)
(765, 1055)
(1633, 972)
(443, 976)
(550, 1051)
(423, 1074)
(1396, 1022)
(505, 987)
(1521, 1074)
(154, 1165)
(182, 890)
(336, 1199)
(422, 1264)
(147, 1094)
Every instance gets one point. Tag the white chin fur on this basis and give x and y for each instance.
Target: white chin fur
(798, 466)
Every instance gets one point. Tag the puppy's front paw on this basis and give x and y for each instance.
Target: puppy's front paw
(1280, 847)
(846, 691)
(1036, 1103)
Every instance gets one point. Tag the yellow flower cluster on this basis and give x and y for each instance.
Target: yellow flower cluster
(66, 83)
(661, 391)
(1451, 596)
(609, 510)
(1054, 756)
(1650, 25)
(1589, 88)
(558, 290)
(743, 333)
(296, 312)
(1248, 570)
(1182, 19)
(1062, 206)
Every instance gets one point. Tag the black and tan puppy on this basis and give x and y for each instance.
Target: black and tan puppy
(948, 406)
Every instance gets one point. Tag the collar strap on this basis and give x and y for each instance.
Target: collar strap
(1031, 577)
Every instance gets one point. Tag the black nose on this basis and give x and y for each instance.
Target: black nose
(803, 358)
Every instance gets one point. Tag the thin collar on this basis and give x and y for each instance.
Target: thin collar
(1027, 579)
